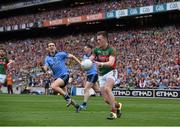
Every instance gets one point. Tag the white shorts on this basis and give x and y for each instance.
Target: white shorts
(112, 74)
(2, 78)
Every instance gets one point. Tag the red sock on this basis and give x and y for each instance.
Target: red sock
(117, 105)
(113, 110)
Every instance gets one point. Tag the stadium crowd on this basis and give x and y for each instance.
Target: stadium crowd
(52, 13)
(146, 58)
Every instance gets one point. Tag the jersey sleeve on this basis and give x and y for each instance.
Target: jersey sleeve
(63, 55)
(113, 52)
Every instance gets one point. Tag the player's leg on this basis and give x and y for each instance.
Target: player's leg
(91, 80)
(102, 83)
(115, 106)
(105, 96)
(59, 85)
(108, 92)
(87, 91)
(96, 88)
(71, 101)
(87, 88)
(110, 81)
(109, 84)
(56, 86)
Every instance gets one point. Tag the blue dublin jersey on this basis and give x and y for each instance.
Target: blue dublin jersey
(93, 70)
(57, 64)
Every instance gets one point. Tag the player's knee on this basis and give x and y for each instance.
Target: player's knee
(53, 86)
(107, 89)
(85, 90)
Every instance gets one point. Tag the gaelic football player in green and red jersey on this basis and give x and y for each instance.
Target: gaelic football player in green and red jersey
(4, 62)
(105, 58)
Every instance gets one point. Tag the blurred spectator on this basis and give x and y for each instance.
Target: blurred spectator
(46, 83)
(9, 83)
(56, 12)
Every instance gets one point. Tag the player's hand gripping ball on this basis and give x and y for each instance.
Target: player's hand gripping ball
(86, 64)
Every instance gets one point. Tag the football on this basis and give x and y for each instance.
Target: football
(86, 64)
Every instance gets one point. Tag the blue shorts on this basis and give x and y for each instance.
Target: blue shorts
(65, 78)
(92, 78)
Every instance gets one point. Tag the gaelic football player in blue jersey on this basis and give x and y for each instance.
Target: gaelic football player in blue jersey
(55, 61)
(92, 78)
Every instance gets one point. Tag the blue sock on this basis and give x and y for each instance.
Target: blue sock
(84, 103)
(66, 97)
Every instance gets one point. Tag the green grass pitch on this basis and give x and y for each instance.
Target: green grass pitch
(34, 110)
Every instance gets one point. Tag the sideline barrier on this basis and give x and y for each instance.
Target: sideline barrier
(155, 93)
(80, 91)
(148, 93)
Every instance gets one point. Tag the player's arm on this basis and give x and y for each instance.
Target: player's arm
(111, 61)
(92, 57)
(75, 58)
(44, 68)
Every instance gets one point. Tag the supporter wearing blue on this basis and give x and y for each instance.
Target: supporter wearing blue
(55, 61)
(92, 78)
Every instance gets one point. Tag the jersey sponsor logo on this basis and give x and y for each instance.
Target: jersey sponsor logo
(103, 58)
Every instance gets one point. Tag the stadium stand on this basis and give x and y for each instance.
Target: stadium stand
(54, 12)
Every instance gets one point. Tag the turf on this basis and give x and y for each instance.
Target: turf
(34, 110)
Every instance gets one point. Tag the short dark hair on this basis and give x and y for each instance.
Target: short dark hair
(51, 43)
(103, 33)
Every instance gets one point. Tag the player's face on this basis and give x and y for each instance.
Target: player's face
(51, 47)
(101, 41)
(2, 53)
